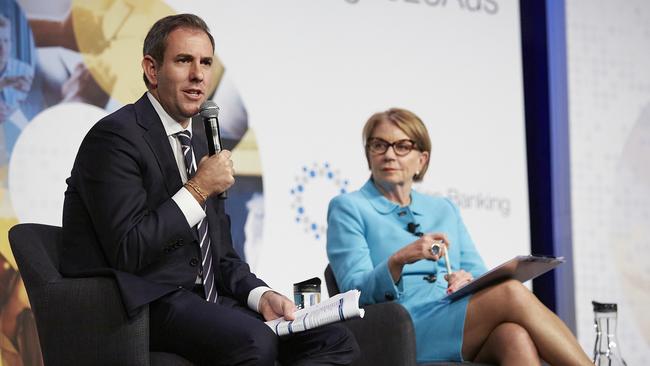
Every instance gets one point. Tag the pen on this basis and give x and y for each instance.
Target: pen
(447, 263)
(448, 268)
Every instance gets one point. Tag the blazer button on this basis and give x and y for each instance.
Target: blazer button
(194, 262)
(180, 242)
(389, 296)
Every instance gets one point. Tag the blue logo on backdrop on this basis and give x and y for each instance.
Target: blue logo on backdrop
(313, 189)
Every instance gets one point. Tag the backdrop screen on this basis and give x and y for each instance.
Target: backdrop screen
(296, 82)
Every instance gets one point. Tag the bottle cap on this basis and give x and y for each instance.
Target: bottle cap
(604, 308)
(310, 285)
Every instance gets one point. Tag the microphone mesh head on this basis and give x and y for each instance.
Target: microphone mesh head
(209, 109)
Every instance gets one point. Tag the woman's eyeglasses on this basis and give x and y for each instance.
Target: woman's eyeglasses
(379, 146)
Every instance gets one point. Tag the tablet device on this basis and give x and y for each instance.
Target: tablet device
(522, 268)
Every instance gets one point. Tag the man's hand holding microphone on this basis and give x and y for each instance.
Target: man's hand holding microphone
(214, 173)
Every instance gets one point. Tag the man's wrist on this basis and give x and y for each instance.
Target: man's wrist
(255, 296)
(196, 191)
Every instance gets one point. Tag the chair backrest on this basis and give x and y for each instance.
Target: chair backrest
(80, 320)
(35, 247)
(330, 281)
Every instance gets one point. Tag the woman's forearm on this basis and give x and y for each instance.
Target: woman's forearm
(395, 266)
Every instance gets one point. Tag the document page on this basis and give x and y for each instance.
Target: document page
(337, 308)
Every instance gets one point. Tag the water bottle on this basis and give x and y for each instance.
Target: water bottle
(306, 293)
(606, 347)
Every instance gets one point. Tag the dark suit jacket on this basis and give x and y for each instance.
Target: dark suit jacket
(119, 218)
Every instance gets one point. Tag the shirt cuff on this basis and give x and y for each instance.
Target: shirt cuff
(191, 209)
(255, 296)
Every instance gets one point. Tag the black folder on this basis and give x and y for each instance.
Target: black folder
(522, 268)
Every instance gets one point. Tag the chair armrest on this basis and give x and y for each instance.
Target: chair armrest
(82, 321)
(385, 335)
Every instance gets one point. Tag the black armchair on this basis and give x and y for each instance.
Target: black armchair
(80, 321)
(385, 334)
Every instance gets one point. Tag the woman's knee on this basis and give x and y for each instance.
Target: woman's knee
(515, 334)
(516, 342)
(514, 293)
(508, 344)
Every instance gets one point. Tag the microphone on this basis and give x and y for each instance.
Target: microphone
(412, 228)
(210, 113)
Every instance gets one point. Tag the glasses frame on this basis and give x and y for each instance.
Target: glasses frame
(389, 145)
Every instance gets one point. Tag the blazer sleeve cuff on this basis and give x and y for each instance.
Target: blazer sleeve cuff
(386, 289)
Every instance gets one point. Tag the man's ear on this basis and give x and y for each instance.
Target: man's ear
(150, 68)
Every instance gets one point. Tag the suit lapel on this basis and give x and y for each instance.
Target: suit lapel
(158, 142)
(156, 138)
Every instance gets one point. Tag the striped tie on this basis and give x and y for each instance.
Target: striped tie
(185, 138)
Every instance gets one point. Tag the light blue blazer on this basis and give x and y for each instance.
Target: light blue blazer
(365, 229)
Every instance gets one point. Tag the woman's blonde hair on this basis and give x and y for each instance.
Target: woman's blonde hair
(406, 121)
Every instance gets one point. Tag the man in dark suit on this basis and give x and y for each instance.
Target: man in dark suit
(142, 205)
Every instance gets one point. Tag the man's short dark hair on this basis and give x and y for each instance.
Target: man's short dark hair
(155, 43)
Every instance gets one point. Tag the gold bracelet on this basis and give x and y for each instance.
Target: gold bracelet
(197, 190)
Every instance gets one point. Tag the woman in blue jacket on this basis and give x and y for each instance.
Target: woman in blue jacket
(381, 239)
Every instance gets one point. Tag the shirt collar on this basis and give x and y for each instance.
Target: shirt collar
(384, 206)
(170, 125)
